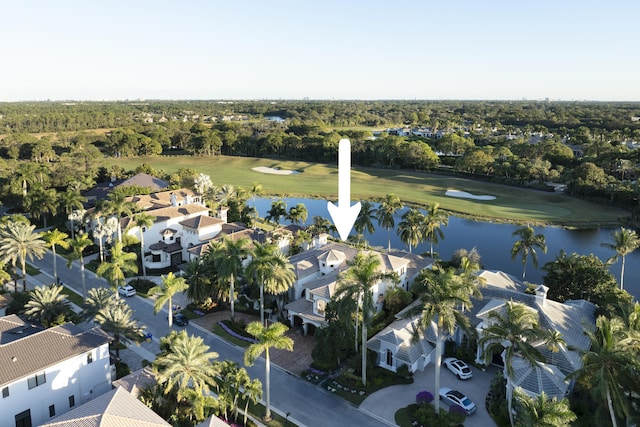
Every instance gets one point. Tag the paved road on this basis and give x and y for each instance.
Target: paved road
(307, 404)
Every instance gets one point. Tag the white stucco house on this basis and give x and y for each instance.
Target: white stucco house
(47, 372)
(394, 345)
(317, 270)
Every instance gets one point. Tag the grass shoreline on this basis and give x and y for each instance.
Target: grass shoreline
(320, 181)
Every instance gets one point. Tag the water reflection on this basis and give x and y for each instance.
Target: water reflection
(494, 242)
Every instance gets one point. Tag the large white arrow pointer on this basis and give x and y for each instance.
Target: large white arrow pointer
(344, 215)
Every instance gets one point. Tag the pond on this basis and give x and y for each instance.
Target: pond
(494, 242)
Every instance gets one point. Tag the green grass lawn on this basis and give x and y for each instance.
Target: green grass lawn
(321, 181)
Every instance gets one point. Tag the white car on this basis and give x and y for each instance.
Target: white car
(458, 368)
(126, 290)
(454, 397)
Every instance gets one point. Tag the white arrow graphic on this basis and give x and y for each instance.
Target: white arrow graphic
(344, 215)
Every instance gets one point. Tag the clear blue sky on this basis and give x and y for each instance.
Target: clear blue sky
(320, 49)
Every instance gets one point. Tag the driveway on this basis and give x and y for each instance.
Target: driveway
(384, 403)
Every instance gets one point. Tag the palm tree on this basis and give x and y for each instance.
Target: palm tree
(606, 364)
(98, 299)
(542, 411)
(260, 267)
(186, 365)
(366, 216)
(48, 306)
(433, 220)
(514, 331)
(71, 200)
(170, 286)
(356, 283)
(116, 320)
(78, 245)
(118, 205)
(23, 176)
(55, 238)
(41, 202)
(278, 210)
(320, 225)
(18, 242)
(625, 241)
(227, 256)
(298, 214)
(410, 228)
(121, 263)
(385, 214)
(143, 220)
(268, 337)
(444, 292)
(527, 246)
(252, 393)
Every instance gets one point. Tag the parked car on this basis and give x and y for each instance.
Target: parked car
(458, 368)
(180, 319)
(126, 291)
(454, 397)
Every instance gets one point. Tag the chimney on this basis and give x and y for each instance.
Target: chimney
(174, 200)
(541, 295)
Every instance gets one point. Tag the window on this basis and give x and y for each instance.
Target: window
(36, 380)
(389, 358)
(23, 419)
(89, 357)
(52, 410)
(5, 392)
(72, 401)
(155, 258)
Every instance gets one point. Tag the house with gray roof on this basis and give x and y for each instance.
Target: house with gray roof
(116, 408)
(394, 345)
(47, 372)
(317, 273)
(142, 180)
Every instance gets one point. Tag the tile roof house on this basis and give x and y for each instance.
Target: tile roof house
(101, 191)
(394, 346)
(117, 408)
(317, 271)
(44, 372)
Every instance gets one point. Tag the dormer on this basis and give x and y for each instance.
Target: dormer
(168, 235)
(330, 261)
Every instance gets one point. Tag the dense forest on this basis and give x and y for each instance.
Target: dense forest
(589, 147)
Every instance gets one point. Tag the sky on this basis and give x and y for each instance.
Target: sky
(320, 49)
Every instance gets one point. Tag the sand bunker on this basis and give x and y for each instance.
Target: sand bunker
(264, 169)
(465, 195)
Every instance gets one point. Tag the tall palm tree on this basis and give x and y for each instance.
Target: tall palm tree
(280, 279)
(320, 225)
(71, 200)
(55, 238)
(410, 228)
(48, 306)
(188, 364)
(41, 202)
(260, 267)
(118, 205)
(386, 212)
(272, 336)
(116, 319)
(170, 286)
(298, 214)
(98, 299)
(115, 270)
(18, 241)
(78, 245)
(443, 294)
(514, 331)
(227, 256)
(527, 245)
(541, 411)
(276, 212)
(433, 220)
(366, 216)
(606, 364)
(625, 241)
(252, 394)
(356, 283)
(143, 220)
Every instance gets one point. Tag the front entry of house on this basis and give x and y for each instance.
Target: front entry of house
(176, 259)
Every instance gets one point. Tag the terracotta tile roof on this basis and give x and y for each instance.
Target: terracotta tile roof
(116, 408)
(200, 222)
(164, 214)
(18, 358)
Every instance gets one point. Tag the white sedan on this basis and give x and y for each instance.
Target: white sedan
(458, 368)
(454, 397)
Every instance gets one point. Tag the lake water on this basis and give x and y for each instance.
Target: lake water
(494, 242)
